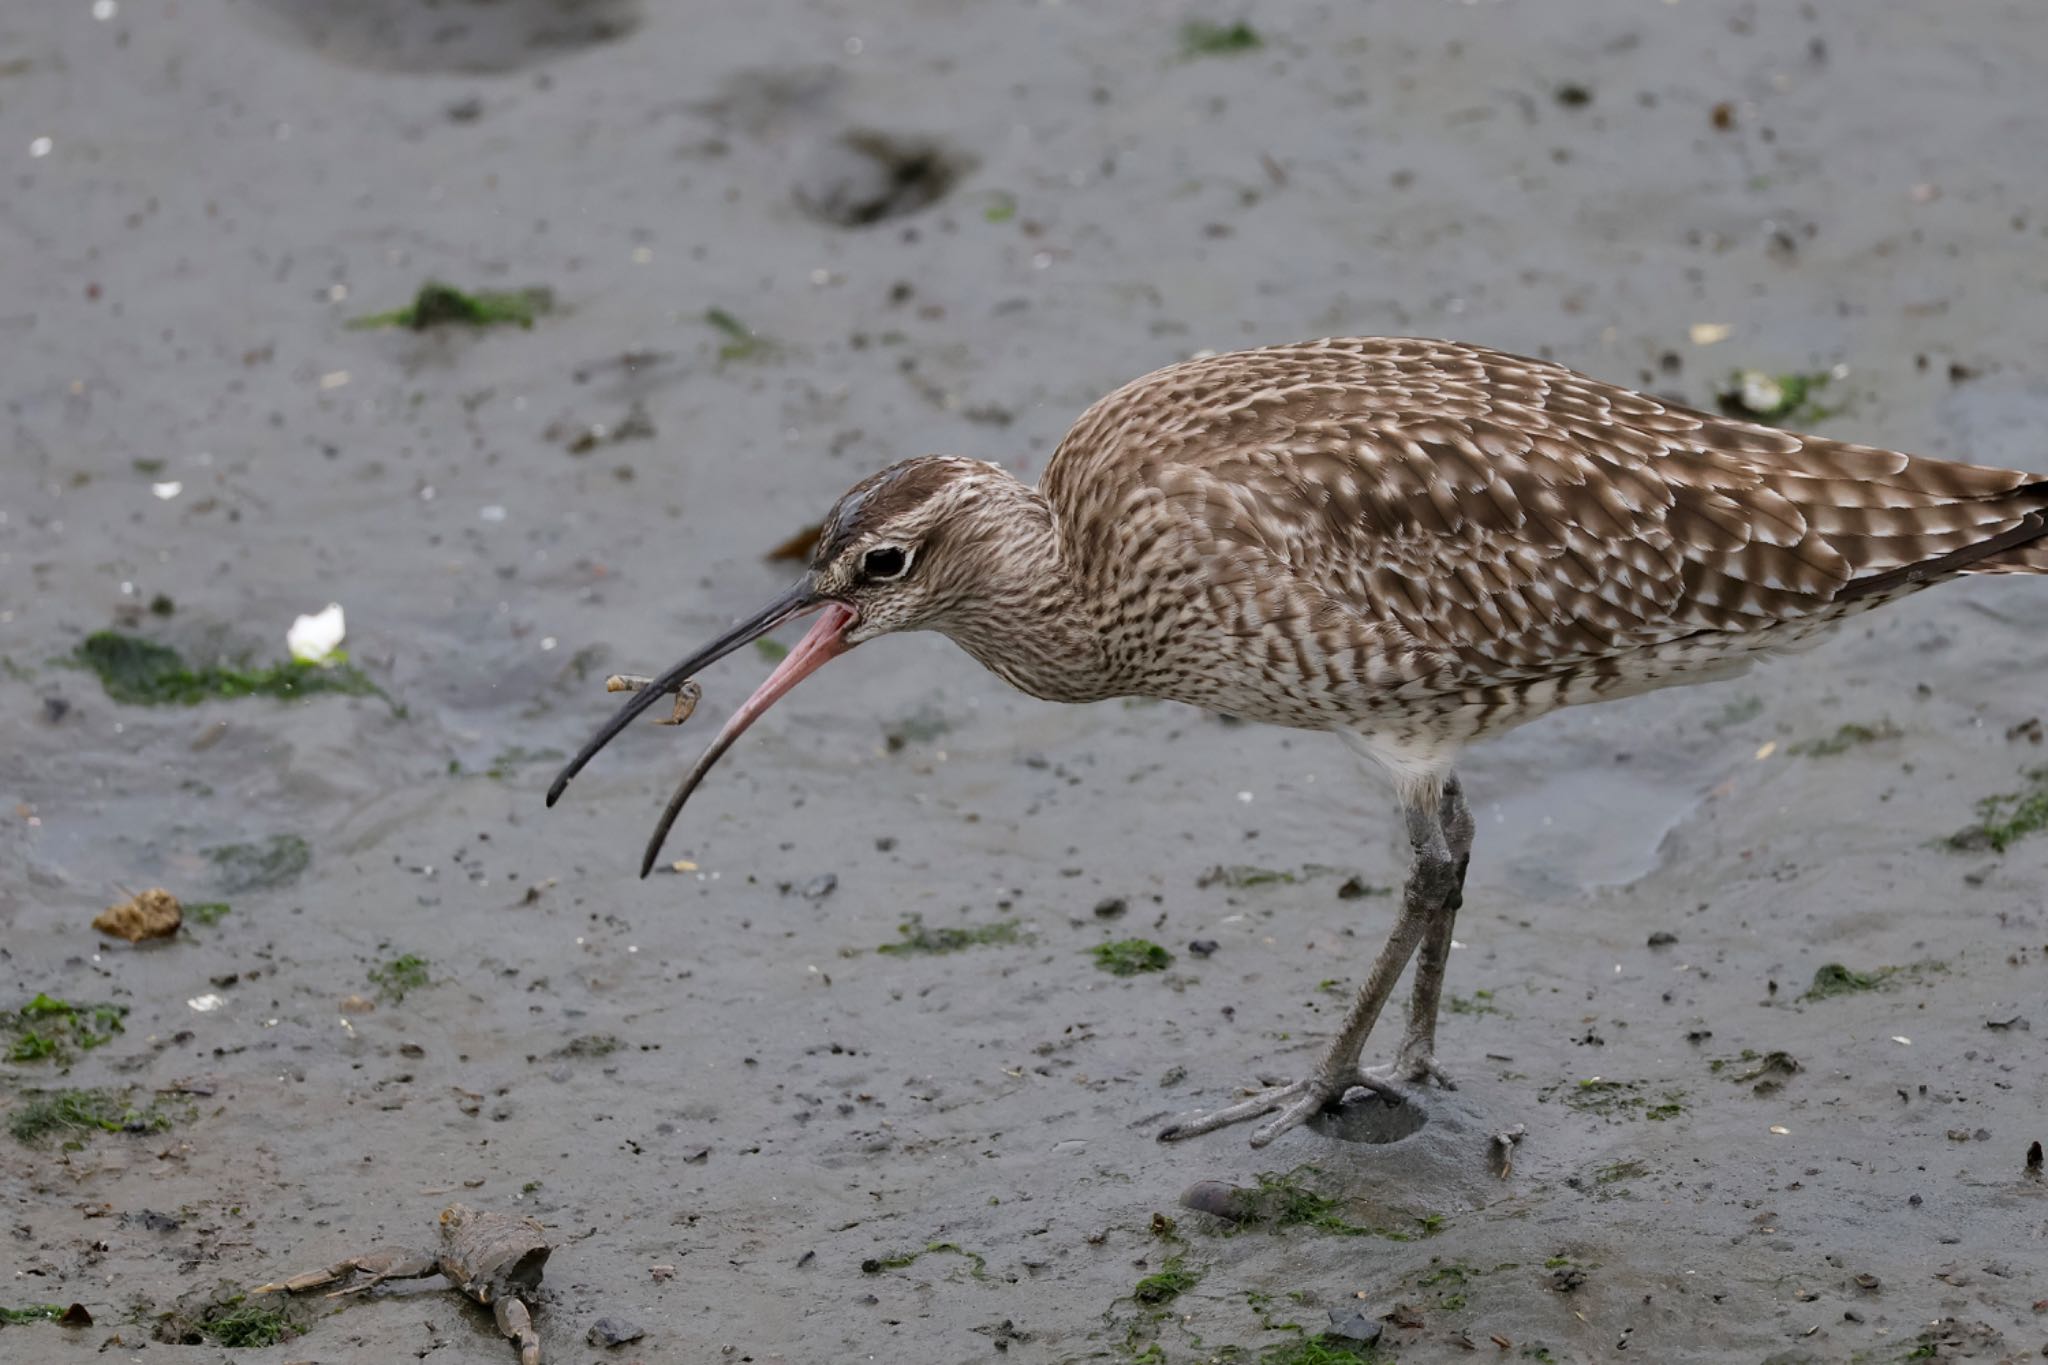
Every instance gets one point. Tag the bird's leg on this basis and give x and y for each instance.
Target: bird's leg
(1416, 1061)
(1433, 879)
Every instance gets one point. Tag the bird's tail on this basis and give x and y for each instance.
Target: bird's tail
(2030, 556)
(2019, 545)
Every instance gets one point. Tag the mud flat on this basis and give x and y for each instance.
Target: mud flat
(849, 1082)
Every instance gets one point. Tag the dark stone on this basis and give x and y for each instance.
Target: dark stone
(1202, 947)
(1111, 907)
(610, 1332)
(1663, 938)
(1219, 1199)
(1354, 1324)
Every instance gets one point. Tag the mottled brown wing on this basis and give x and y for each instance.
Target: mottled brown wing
(1522, 518)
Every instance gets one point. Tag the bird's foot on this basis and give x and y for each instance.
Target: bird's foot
(1291, 1105)
(1413, 1067)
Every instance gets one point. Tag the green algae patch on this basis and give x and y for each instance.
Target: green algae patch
(977, 1264)
(1201, 38)
(1832, 979)
(35, 1312)
(402, 974)
(1764, 397)
(246, 1325)
(1322, 1350)
(47, 1028)
(77, 1114)
(139, 672)
(2004, 820)
(1168, 1283)
(443, 305)
(1479, 1002)
(741, 342)
(1289, 1199)
(228, 1319)
(1130, 956)
(919, 937)
(30, 1046)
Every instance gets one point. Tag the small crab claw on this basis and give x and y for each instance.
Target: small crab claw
(312, 1279)
(515, 1323)
(797, 600)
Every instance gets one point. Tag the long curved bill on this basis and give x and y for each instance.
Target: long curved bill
(826, 641)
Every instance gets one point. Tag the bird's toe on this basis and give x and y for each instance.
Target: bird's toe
(1286, 1098)
(1413, 1069)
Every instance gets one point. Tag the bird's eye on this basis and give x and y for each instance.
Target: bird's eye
(884, 562)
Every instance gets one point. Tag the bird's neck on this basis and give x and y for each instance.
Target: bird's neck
(1027, 620)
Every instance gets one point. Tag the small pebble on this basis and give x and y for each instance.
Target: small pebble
(1111, 907)
(1355, 1325)
(611, 1332)
(821, 886)
(1663, 938)
(1202, 947)
(1220, 1199)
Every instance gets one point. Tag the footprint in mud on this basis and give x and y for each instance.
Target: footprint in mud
(864, 177)
(449, 35)
(1372, 1120)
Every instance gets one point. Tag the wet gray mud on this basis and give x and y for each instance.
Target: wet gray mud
(717, 1095)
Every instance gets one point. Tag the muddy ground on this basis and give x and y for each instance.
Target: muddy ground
(716, 1070)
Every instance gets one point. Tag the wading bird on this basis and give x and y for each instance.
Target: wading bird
(1412, 544)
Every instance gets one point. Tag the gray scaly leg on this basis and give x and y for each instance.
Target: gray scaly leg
(1416, 1061)
(1433, 880)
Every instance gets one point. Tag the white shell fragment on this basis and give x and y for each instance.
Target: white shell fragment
(1761, 392)
(313, 639)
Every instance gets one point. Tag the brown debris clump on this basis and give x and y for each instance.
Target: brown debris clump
(154, 913)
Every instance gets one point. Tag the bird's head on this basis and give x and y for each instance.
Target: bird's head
(894, 554)
(894, 550)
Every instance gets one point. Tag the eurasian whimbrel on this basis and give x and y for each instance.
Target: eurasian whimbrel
(1413, 544)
